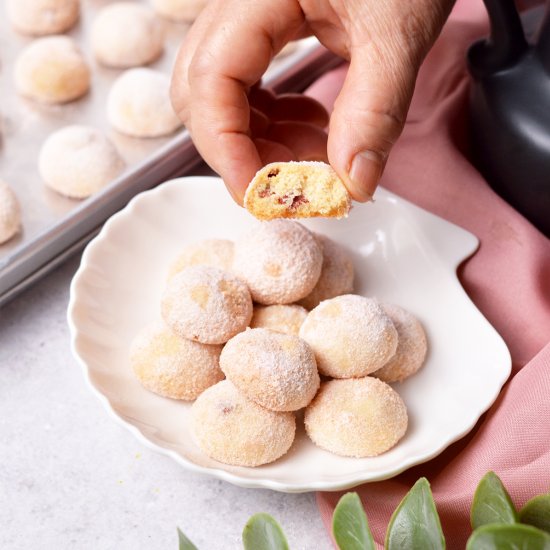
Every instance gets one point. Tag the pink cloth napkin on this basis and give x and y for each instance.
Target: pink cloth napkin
(508, 279)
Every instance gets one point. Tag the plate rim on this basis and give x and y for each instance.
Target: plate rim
(470, 245)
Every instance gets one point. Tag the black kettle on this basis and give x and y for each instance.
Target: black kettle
(510, 108)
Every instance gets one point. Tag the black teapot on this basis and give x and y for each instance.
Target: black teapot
(510, 108)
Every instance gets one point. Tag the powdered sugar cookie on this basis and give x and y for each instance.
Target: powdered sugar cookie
(77, 161)
(126, 35)
(39, 17)
(359, 417)
(179, 10)
(280, 318)
(297, 190)
(411, 346)
(233, 430)
(52, 70)
(10, 213)
(350, 335)
(275, 370)
(139, 104)
(336, 275)
(206, 304)
(172, 366)
(213, 252)
(280, 261)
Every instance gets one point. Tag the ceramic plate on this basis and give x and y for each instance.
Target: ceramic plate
(402, 254)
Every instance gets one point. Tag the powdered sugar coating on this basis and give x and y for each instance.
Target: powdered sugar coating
(52, 70)
(412, 346)
(172, 366)
(179, 10)
(139, 104)
(39, 17)
(126, 35)
(206, 304)
(10, 213)
(280, 260)
(280, 318)
(78, 161)
(350, 335)
(359, 417)
(336, 274)
(233, 430)
(275, 370)
(213, 252)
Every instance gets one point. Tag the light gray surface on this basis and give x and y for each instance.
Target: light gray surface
(70, 477)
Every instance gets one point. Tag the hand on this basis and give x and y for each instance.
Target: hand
(238, 127)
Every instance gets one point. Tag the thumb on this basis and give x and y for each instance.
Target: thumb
(368, 117)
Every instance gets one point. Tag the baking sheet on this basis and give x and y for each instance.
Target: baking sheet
(55, 226)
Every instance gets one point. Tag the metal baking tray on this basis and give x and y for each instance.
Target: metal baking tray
(55, 227)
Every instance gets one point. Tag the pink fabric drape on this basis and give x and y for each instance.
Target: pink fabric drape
(508, 279)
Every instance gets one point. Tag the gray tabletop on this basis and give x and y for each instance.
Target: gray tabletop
(70, 477)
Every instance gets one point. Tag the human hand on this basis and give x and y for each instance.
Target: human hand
(238, 127)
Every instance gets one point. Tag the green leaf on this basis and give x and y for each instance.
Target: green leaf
(513, 536)
(415, 523)
(537, 512)
(492, 503)
(262, 532)
(185, 543)
(350, 526)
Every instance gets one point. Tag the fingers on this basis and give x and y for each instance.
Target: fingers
(220, 73)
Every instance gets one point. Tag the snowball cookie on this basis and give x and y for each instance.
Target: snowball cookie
(273, 369)
(336, 275)
(139, 104)
(125, 35)
(179, 10)
(41, 17)
(10, 213)
(172, 366)
(350, 335)
(411, 346)
(297, 190)
(284, 318)
(213, 252)
(52, 70)
(280, 261)
(78, 161)
(206, 304)
(358, 417)
(233, 430)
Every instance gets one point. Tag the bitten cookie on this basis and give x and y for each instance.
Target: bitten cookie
(139, 104)
(52, 70)
(350, 335)
(359, 417)
(126, 35)
(39, 17)
(280, 261)
(297, 190)
(275, 370)
(10, 213)
(206, 304)
(233, 430)
(336, 275)
(172, 366)
(412, 346)
(78, 161)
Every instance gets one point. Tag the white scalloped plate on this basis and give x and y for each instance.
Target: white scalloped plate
(402, 254)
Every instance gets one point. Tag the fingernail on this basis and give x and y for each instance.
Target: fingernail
(366, 169)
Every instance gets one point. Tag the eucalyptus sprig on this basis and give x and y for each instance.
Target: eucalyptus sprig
(415, 524)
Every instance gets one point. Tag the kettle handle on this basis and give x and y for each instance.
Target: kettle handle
(506, 44)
